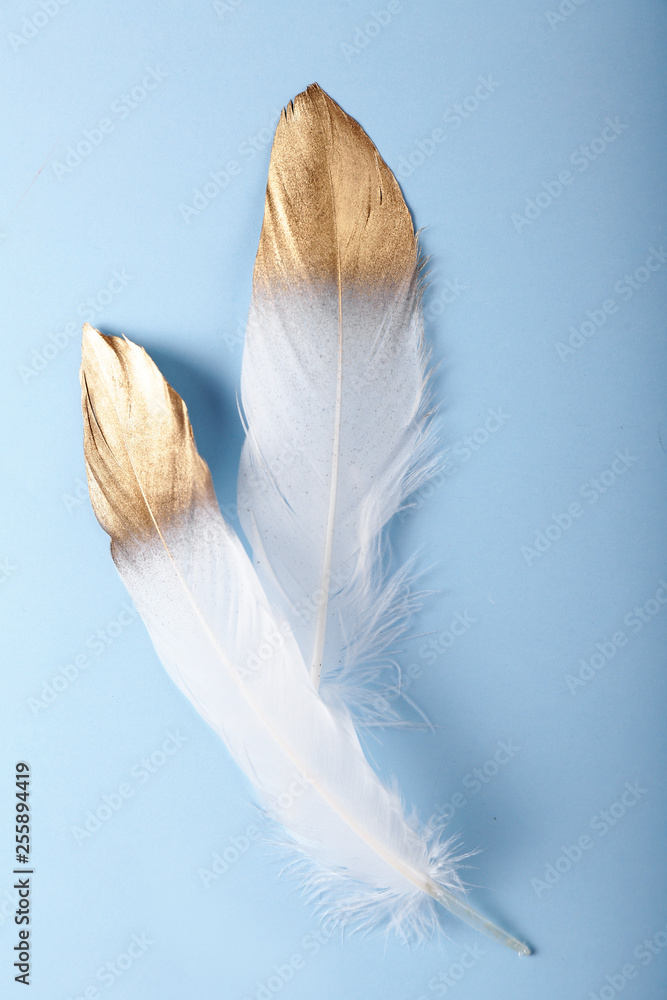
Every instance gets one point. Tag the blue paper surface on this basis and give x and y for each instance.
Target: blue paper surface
(529, 142)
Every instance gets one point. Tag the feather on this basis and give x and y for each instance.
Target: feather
(333, 390)
(224, 631)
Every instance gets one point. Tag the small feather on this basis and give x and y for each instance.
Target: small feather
(238, 663)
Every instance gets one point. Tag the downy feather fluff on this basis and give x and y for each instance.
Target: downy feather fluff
(333, 393)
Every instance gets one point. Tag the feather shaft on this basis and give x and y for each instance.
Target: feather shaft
(325, 582)
(459, 908)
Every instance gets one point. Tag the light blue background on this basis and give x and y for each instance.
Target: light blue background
(186, 296)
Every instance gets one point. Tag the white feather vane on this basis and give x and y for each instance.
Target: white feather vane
(333, 393)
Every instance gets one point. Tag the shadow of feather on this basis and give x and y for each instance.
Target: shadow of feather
(215, 421)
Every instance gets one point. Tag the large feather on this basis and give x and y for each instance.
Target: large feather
(333, 389)
(237, 662)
